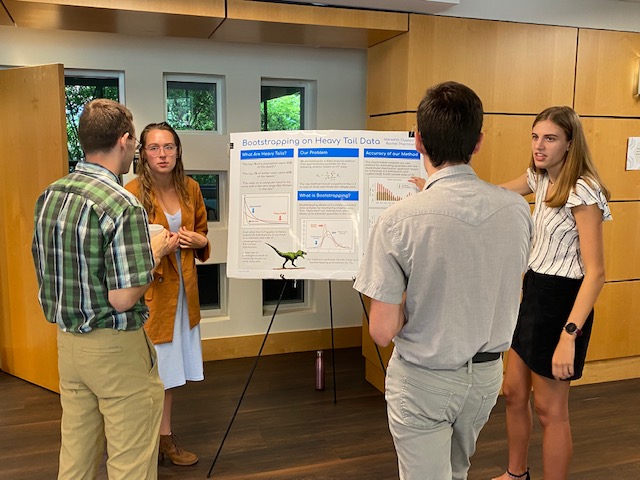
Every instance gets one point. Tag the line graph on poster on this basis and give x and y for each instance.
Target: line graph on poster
(328, 235)
(265, 210)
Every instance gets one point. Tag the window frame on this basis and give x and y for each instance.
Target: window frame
(222, 204)
(290, 306)
(310, 105)
(97, 74)
(217, 80)
(308, 121)
(223, 295)
(90, 73)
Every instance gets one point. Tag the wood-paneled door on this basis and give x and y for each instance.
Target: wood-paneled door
(33, 139)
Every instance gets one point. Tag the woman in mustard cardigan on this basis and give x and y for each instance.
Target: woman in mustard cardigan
(174, 201)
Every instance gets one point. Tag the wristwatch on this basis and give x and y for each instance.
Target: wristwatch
(572, 329)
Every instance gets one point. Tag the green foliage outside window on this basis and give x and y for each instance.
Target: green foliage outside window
(210, 193)
(281, 108)
(192, 106)
(79, 91)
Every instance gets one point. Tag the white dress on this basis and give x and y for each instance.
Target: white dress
(181, 359)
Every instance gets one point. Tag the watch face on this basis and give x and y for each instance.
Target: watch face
(573, 329)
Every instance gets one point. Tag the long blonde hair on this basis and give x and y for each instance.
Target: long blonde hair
(577, 162)
(146, 193)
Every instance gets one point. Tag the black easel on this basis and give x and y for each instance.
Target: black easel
(255, 364)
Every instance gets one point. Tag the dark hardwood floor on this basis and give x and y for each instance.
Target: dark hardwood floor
(286, 430)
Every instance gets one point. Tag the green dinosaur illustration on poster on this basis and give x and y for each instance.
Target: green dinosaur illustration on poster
(289, 256)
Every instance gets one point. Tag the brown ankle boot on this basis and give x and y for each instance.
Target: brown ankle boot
(178, 455)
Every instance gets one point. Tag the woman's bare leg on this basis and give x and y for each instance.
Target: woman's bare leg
(165, 424)
(551, 401)
(517, 391)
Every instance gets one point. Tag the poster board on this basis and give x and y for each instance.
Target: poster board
(302, 203)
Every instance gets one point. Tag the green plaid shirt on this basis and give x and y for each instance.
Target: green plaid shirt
(90, 236)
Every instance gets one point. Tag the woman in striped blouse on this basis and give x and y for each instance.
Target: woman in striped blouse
(565, 277)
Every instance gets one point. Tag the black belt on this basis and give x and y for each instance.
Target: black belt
(481, 357)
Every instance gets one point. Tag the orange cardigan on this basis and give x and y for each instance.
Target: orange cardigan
(162, 295)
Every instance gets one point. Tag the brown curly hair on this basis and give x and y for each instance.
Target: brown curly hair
(146, 193)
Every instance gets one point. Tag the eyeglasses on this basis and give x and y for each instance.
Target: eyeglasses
(135, 142)
(169, 149)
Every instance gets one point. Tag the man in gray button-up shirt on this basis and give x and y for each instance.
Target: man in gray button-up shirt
(443, 271)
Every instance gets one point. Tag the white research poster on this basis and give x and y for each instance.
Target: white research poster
(302, 203)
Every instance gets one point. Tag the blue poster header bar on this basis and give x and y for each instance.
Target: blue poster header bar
(336, 196)
(390, 153)
(328, 152)
(271, 153)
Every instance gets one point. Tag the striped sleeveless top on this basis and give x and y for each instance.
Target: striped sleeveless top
(556, 246)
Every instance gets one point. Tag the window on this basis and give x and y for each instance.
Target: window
(281, 108)
(82, 87)
(209, 286)
(193, 102)
(209, 186)
(285, 105)
(293, 292)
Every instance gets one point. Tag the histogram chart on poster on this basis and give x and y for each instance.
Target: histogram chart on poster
(386, 191)
(265, 210)
(328, 235)
(311, 197)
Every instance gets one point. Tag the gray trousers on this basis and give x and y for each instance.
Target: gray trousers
(435, 416)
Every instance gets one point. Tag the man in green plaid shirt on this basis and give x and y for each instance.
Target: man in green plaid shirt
(94, 261)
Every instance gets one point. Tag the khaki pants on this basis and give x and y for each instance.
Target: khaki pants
(435, 416)
(109, 387)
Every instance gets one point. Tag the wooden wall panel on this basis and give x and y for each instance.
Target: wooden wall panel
(265, 22)
(5, 19)
(35, 154)
(317, 15)
(621, 236)
(280, 342)
(390, 123)
(514, 68)
(388, 77)
(506, 148)
(607, 73)
(616, 330)
(500, 61)
(192, 18)
(607, 139)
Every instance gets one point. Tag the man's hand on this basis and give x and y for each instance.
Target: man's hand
(418, 182)
(160, 245)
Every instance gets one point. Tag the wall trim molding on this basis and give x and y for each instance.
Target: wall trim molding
(598, 371)
(287, 342)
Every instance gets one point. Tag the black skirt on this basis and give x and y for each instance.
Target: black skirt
(547, 301)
